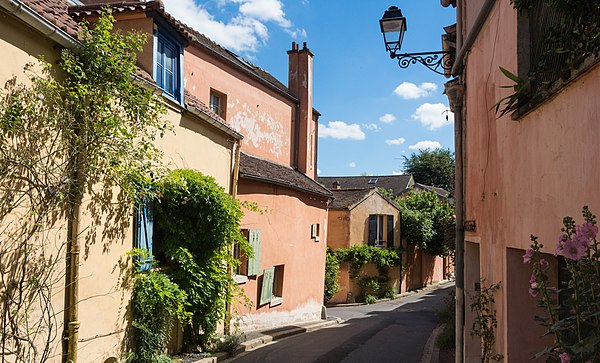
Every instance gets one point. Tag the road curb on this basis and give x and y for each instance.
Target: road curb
(265, 339)
(431, 353)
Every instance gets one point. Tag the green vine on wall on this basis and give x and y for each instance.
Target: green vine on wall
(197, 223)
(358, 256)
(485, 322)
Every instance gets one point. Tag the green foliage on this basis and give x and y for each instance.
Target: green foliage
(485, 322)
(447, 316)
(197, 223)
(428, 222)
(370, 299)
(432, 167)
(573, 36)
(84, 122)
(332, 270)
(155, 303)
(357, 256)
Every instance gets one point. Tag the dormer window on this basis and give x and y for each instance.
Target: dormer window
(168, 59)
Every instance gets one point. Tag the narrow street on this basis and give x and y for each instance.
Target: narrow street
(392, 331)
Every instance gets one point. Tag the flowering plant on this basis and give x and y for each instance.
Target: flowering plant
(573, 310)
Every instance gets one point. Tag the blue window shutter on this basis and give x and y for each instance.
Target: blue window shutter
(390, 230)
(266, 292)
(254, 238)
(372, 229)
(144, 232)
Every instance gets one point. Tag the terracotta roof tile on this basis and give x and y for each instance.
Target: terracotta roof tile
(255, 168)
(191, 100)
(398, 184)
(55, 11)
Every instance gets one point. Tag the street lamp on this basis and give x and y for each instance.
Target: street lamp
(393, 27)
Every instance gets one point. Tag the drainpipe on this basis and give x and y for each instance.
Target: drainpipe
(297, 136)
(482, 16)
(455, 91)
(235, 167)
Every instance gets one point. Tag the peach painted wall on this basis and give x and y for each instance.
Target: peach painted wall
(338, 228)
(286, 240)
(263, 116)
(359, 219)
(523, 176)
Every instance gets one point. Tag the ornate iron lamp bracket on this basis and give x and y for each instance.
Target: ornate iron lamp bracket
(431, 60)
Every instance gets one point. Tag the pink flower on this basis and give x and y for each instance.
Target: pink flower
(543, 262)
(528, 255)
(533, 292)
(561, 243)
(533, 286)
(573, 250)
(588, 229)
(564, 358)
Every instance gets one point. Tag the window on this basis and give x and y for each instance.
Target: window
(144, 231)
(381, 230)
(373, 181)
(249, 266)
(168, 66)
(314, 231)
(272, 286)
(218, 103)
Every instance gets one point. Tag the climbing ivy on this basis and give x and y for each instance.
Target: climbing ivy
(197, 223)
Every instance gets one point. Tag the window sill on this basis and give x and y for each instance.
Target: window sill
(276, 300)
(240, 279)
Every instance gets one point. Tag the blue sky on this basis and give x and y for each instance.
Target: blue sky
(373, 112)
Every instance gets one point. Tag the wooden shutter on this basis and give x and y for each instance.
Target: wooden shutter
(266, 293)
(390, 230)
(145, 232)
(254, 238)
(372, 229)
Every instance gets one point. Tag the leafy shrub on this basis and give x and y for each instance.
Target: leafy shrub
(332, 270)
(197, 223)
(370, 299)
(447, 316)
(389, 293)
(155, 303)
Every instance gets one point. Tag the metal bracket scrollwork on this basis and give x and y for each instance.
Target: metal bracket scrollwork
(431, 60)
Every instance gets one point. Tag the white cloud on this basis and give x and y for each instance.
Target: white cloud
(397, 172)
(372, 127)
(245, 32)
(352, 164)
(341, 131)
(318, 171)
(426, 144)
(388, 118)
(398, 141)
(433, 115)
(410, 91)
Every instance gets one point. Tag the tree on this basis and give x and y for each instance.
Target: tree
(432, 167)
(86, 128)
(428, 222)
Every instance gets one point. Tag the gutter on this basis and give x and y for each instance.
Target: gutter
(39, 23)
(482, 16)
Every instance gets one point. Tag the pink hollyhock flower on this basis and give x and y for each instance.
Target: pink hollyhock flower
(533, 286)
(533, 292)
(543, 262)
(561, 243)
(573, 250)
(528, 255)
(564, 358)
(588, 229)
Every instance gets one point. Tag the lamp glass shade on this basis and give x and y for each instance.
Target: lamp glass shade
(393, 27)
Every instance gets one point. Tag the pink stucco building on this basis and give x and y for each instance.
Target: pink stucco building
(522, 172)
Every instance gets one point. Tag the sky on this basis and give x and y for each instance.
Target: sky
(373, 113)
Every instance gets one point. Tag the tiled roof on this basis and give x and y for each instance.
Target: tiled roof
(350, 198)
(254, 168)
(439, 191)
(56, 12)
(191, 100)
(398, 184)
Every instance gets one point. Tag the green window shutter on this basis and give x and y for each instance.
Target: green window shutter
(266, 293)
(390, 230)
(372, 229)
(254, 238)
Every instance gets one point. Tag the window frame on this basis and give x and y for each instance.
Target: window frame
(144, 220)
(381, 230)
(221, 109)
(163, 40)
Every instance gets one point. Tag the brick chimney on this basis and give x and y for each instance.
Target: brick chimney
(305, 124)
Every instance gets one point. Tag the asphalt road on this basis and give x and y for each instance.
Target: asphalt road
(393, 331)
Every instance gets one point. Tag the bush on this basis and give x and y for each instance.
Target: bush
(332, 270)
(370, 299)
(447, 316)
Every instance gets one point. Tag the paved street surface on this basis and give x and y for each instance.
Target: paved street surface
(393, 331)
